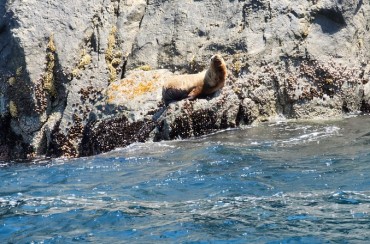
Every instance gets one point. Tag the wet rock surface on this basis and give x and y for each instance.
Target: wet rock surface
(84, 77)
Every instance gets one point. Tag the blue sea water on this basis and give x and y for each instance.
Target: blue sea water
(283, 182)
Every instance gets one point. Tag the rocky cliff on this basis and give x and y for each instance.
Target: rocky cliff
(84, 77)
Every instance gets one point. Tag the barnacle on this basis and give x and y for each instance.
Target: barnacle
(144, 68)
(48, 77)
(13, 110)
(113, 58)
(85, 59)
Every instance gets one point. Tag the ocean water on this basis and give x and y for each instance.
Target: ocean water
(283, 182)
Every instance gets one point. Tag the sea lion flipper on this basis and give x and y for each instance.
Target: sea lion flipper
(195, 92)
(170, 95)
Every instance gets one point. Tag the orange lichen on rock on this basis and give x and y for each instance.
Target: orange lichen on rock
(138, 84)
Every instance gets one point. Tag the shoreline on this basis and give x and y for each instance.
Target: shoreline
(82, 78)
(44, 159)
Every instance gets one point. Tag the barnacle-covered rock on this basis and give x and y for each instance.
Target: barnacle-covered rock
(74, 72)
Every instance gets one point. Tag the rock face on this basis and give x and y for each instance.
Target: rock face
(83, 77)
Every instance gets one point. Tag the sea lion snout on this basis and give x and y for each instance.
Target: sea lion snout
(216, 59)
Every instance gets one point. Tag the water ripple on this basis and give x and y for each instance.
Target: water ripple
(284, 182)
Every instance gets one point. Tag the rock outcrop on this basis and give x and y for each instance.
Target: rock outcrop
(84, 77)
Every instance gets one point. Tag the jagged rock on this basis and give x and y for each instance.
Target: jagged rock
(71, 69)
(62, 55)
(186, 118)
(249, 111)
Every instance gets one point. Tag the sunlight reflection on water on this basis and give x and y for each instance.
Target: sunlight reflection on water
(285, 182)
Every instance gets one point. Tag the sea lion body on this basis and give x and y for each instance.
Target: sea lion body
(191, 86)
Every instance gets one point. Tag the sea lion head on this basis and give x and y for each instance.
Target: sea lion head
(217, 61)
(218, 67)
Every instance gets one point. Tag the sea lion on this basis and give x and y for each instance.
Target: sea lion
(191, 86)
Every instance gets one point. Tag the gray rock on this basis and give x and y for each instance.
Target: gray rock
(71, 69)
